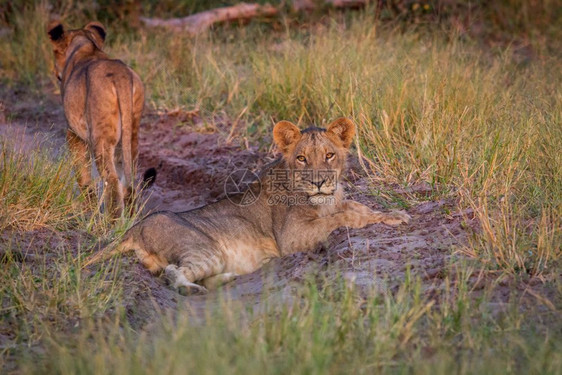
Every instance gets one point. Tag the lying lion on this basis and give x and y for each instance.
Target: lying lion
(103, 101)
(297, 202)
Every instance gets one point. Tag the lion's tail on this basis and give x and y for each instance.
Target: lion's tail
(125, 98)
(111, 250)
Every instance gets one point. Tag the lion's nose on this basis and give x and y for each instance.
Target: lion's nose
(318, 183)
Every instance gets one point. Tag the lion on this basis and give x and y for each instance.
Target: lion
(103, 100)
(297, 201)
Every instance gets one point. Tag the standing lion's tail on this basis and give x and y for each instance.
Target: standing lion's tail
(125, 99)
(109, 251)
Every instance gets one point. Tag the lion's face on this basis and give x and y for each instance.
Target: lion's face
(315, 156)
(90, 36)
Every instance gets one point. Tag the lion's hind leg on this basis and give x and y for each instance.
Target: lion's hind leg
(193, 267)
(178, 277)
(129, 193)
(82, 163)
(214, 282)
(152, 262)
(113, 189)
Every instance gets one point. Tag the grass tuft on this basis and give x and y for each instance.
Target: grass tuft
(35, 192)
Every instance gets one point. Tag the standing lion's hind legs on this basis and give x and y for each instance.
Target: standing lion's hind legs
(112, 186)
(83, 165)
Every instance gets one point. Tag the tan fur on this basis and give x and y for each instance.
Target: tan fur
(103, 101)
(212, 244)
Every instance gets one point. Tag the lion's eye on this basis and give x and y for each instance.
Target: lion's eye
(330, 155)
(301, 158)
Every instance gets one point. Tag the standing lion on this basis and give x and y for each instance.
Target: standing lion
(103, 101)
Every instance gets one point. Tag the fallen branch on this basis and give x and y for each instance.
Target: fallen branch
(200, 22)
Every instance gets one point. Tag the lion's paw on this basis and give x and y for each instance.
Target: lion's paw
(191, 289)
(179, 282)
(396, 218)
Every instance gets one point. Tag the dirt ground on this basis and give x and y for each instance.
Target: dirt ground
(193, 159)
(193, 163)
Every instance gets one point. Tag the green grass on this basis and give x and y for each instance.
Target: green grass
(431, 107)
(327, 330)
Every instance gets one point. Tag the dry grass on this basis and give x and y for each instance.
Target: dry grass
(35, 192)
(46, 231)
(473, 124)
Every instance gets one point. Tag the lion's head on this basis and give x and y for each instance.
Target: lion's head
(315, 156)
(66, 43)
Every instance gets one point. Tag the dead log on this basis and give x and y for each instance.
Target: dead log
(200, 22)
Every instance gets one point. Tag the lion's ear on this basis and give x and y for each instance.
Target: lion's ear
(285, 133)
(98, 32)
(55, 31)
(344, 129)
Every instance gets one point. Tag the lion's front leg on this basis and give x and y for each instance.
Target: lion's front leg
(304, 235)
(358, 215)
